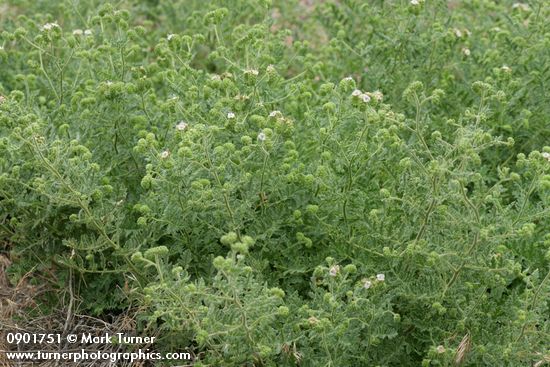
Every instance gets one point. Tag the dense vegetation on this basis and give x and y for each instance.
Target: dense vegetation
(313, 183)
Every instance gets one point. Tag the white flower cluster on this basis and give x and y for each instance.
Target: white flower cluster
(278, 117)
(80, 32)
(230, 115)
(546, 156)
(362, 96)
(366, 97)
(275, 113)
(253, 72)
(459, 33)
(368, 283)
(378, 95)
(50, 26)
(181, 126)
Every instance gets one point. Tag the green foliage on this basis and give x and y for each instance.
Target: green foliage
(344, 184)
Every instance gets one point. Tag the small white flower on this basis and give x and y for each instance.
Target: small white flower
(109, 83)
(415, 2)
(2, 99)
(546, 156)
(50, 26)
(181, 126)
(78, 32)
(458, 32)
(349, 78)
(165, 154)
(378, 96)
(275, 113)
(356, 93)
(334, 270)
(88, 32)
(170, 36)
(270, 69)
(367, 284)
(252, 72)
(440, 349)
(230, 115)
(521, 6)
(506, 69)
(261, 136)
(380, 277)
(466, 51)
(366, 98)
(216, 77)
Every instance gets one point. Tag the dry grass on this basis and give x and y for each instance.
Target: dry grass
(19, 301)
(8, 11)
(463, 349)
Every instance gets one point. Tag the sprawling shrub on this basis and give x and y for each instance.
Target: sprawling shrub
(340, 184)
